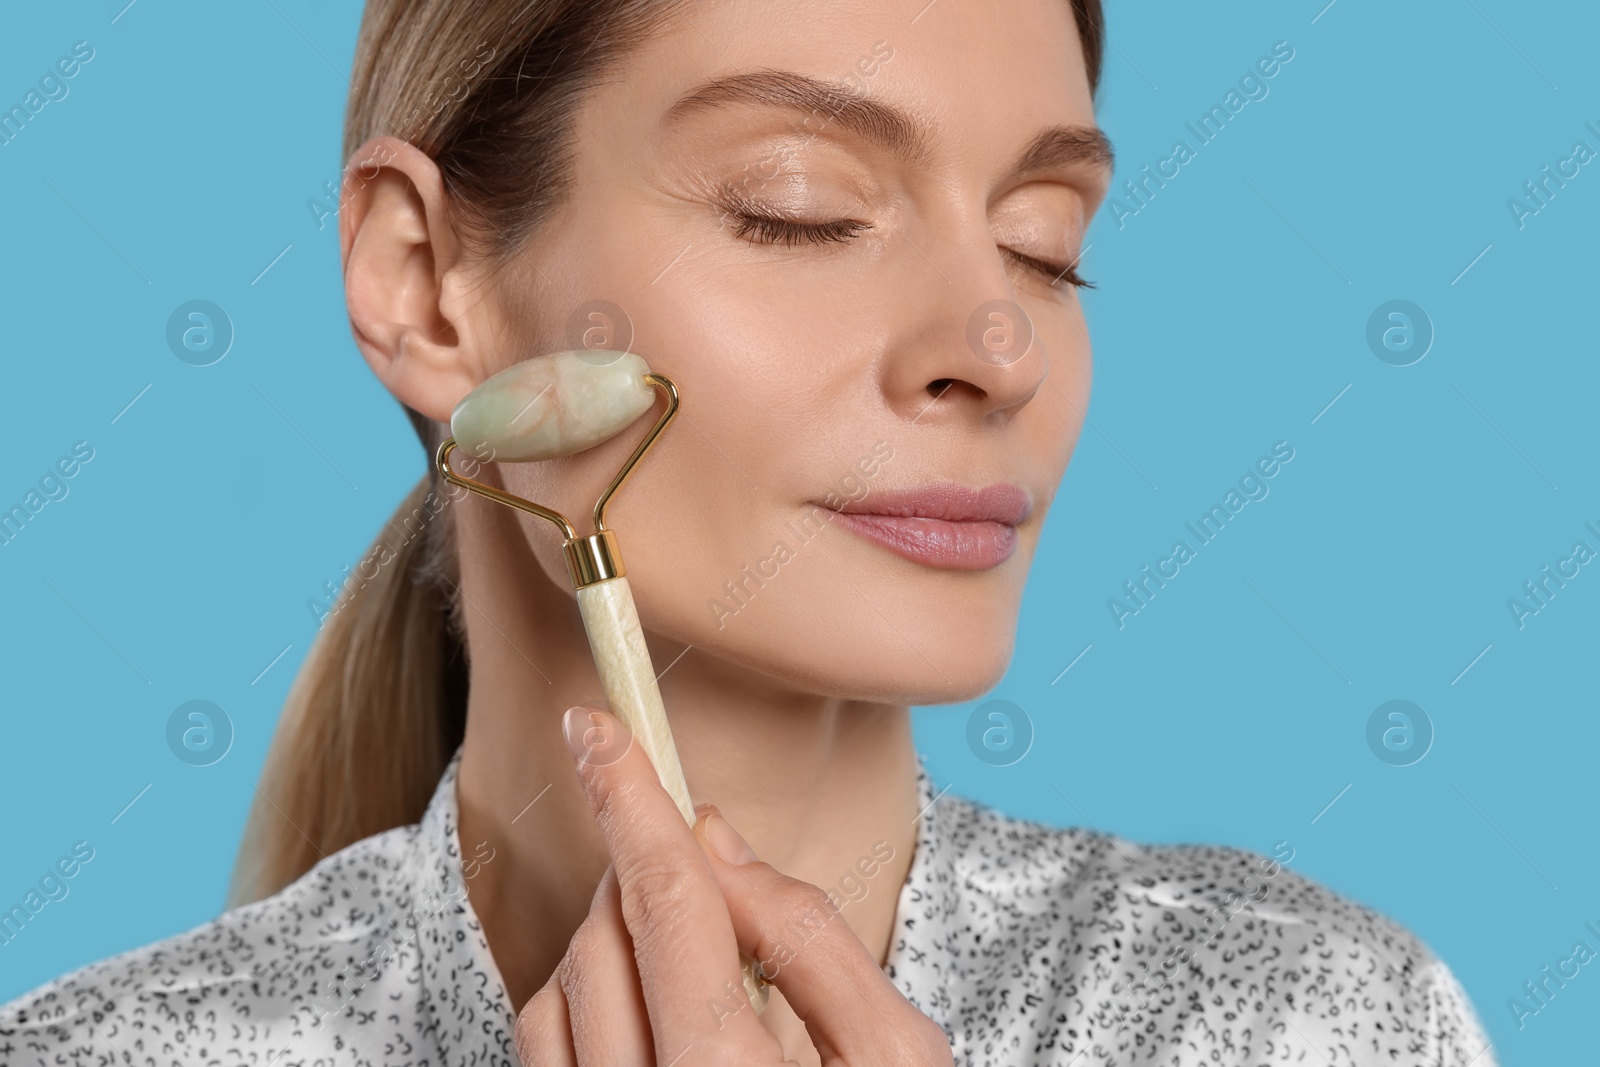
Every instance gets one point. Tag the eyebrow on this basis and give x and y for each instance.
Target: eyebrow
(879, 122)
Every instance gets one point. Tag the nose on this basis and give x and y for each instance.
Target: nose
(967, 347)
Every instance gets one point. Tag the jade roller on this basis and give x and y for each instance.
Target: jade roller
(558, 405)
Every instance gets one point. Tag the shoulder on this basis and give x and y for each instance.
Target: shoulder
(1138, 950)
(262, 977)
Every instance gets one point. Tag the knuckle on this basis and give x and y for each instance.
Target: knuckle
(588, 943)
(804, 896)
(805, 905)
(568, 974)
(535, 1027)
(655, 896)
(601, 792)
(590, 947)
(793, 916)
(613, 796)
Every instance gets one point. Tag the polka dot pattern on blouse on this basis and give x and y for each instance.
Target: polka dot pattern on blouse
(1029, 945)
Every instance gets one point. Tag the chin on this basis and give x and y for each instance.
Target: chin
(942, 652)
(960, 676)
(953, 668)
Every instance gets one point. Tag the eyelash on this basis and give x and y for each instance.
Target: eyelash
(769, 229)
(1058, 273)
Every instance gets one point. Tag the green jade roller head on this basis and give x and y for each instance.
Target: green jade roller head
(553, 405)
(559, 405)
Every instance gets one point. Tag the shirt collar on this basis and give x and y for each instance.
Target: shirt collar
(922, 948)
(466, 1009)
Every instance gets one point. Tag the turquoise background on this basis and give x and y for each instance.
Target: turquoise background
(1233, 309)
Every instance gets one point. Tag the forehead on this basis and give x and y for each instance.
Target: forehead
(976, 76)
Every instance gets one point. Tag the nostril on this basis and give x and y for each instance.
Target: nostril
(941, 387)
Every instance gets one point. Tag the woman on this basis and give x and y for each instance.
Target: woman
(849, 232)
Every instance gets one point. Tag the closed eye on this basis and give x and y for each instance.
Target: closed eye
(773, 229)
(1057, 273)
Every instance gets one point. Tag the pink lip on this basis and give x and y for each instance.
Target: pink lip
(944, 525)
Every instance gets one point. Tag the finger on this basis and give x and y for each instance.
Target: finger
(683, 942)
(605, 1005)
(793, 929)
(543, 1033)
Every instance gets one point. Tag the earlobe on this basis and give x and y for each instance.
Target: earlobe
(399, 252)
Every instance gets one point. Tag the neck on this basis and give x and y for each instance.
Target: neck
(814, 783)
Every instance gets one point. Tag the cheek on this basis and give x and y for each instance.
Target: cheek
(1064, 399)
(777, 385)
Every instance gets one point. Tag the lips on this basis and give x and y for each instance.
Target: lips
(944, 525)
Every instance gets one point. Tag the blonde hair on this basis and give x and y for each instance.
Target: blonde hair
(488, 90)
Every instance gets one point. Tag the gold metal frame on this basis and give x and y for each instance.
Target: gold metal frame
(591, 558)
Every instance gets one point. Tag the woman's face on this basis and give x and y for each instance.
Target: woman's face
(851, 263)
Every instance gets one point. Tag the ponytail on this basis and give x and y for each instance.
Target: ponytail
(377, 710)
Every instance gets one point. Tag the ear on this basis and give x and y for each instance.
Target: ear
(406, 286)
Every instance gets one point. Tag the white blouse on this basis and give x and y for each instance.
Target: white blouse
(1028, 944)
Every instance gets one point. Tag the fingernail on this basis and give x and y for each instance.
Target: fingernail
(579, 723)
(726, 840)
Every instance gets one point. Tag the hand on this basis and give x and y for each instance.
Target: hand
(652, 974)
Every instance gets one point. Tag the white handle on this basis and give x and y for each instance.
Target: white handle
(629, 679)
